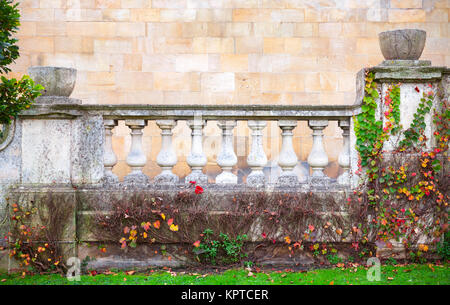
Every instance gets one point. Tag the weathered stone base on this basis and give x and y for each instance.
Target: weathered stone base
(166, 178)
(288, 179)
(136, 178)
(196, 176)
(256, 179)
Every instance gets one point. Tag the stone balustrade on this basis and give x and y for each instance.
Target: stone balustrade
(166, 117)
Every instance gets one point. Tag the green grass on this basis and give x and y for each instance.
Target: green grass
(390, 275)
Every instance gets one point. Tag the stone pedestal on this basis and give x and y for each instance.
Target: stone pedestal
(109, 157)
(196, 159)
(226, 158)
(167, 158)
(136, 158)
(257, 158)
(287, 159)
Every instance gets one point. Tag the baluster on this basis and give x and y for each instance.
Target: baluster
(344, 156)
(287, 159)
(197, 159)
(109, 157)
(167, 158)
(257, 158)
(136, 158)
(318, 158)
(226, 158)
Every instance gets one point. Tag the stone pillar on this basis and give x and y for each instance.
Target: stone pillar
(344, 156)
(196, 159)
(167, 158)
(226, 158)
(136, 158)
(287, 159)
(109, 157)
(415, 77)
(318, 158)
(257, 158)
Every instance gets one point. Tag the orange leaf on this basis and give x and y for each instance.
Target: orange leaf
(196, 244)
(157, 224)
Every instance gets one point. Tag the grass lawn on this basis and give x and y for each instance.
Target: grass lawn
(390, 275)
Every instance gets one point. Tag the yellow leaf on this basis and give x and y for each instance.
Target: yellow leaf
(173, 228)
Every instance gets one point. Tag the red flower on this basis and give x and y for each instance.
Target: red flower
(264, 235)
(198, 189)
(417, 89)
(192, 182)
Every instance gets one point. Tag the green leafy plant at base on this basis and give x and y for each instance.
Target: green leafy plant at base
(443, 250)
(334, 259)
(225, 249)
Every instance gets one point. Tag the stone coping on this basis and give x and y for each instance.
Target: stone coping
(185, 112)
(208, 187)
(408, 71)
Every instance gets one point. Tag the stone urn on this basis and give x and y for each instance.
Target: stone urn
(57, 81)
(406, 44)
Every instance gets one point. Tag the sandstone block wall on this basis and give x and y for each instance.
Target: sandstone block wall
(220, 52)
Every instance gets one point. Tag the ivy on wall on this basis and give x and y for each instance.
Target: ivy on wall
(406, 192)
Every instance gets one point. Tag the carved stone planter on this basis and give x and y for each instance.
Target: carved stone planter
(404, 44)
(58, 82)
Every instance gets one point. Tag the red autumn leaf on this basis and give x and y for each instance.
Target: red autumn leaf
(417, 89)
(157, 224)
(170, 221)
(198, 189)
(192, 182)
(264, 235)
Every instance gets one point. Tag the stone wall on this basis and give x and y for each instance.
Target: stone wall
(220, 52)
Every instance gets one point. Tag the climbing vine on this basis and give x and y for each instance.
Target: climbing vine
(406, 188)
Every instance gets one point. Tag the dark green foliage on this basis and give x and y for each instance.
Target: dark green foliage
(9, 51)
(15, 95)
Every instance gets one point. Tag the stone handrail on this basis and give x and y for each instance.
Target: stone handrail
(166, 117)
(208, 112)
